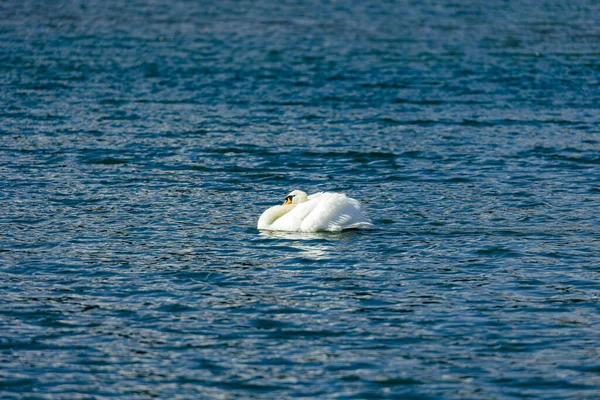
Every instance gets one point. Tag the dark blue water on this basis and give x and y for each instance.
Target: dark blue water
(141, 140)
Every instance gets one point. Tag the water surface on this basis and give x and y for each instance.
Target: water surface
(140, 141)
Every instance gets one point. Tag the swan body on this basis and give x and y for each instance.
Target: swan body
(332, 212)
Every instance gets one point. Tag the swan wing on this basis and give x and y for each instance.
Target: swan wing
(334, 212)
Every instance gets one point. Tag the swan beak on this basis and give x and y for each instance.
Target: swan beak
(287, 201)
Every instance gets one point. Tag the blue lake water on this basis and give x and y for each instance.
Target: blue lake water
(141, 140)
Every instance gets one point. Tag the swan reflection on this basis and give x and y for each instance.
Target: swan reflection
(314, 246)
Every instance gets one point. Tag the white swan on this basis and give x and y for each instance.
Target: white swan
(322, 211)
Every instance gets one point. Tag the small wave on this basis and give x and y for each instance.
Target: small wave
(107, 161)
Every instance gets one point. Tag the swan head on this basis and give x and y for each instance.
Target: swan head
(296, 197)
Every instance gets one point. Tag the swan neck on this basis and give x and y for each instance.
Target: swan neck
(273, 214)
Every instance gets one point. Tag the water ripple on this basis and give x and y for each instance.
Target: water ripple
(140, 142)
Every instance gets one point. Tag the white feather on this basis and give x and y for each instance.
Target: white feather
(321, 211)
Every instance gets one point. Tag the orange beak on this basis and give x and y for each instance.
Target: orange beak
(287, 201)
